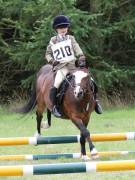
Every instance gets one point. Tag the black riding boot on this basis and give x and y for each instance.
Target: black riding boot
(98, 108)
(53, 94)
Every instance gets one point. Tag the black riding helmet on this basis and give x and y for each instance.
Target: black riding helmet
(61, 21)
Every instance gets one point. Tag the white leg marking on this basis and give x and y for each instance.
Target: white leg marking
(44, 125)
(94, 154)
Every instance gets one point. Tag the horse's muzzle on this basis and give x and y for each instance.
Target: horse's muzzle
(79, 95)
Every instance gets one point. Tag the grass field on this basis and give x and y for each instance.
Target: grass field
(114, 120)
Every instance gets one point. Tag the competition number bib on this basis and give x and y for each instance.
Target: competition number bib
(63, 51)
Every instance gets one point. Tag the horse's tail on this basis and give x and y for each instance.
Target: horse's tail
(30, 105)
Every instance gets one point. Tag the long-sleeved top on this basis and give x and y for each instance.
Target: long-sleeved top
(74, 45)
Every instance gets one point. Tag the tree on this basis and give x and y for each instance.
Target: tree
(105, 29)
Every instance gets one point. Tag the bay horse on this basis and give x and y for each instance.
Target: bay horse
(78, 103)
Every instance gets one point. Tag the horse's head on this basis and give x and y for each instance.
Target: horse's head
(81, 83)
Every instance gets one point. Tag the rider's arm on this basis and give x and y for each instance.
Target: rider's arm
(49, 54)
(77, 50)
(78, 53)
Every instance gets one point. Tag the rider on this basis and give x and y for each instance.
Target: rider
(62, 52)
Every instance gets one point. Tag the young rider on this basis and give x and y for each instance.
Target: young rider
(62, 52)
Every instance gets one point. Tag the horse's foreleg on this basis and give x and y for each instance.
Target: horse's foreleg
(82, 142)
(85, 134)
(49, 117)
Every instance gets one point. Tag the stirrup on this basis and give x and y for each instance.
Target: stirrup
(56, 112)
(98, 108)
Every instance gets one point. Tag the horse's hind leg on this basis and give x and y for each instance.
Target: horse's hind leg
(39, 116)
(47, 124)
(49, 117)
(39, 119)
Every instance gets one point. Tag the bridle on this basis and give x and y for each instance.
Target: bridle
(85, 90)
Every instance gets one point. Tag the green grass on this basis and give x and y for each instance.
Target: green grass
(114, 120)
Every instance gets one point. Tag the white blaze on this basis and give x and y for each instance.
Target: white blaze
(79, 75)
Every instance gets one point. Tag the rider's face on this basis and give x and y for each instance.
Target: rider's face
(62, 31)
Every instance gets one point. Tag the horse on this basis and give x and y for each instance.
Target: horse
(77, 105)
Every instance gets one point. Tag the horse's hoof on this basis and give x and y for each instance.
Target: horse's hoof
(44, 125)
(37, 134)
(85, 158)
(94, 154)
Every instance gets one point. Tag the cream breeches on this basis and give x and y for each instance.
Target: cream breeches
(60, 76)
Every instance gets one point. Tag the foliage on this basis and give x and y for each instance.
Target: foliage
(105, 29)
